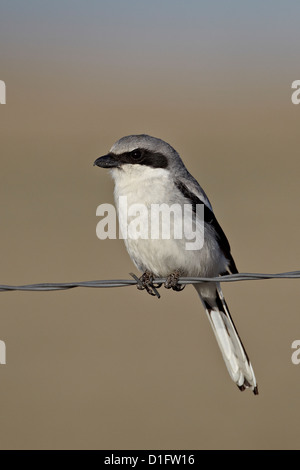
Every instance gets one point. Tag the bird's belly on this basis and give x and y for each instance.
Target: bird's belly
(163, 256)
(165, 252)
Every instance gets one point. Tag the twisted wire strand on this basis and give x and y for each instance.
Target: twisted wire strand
(53, 286)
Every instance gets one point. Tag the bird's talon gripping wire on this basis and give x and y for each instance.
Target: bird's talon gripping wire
(145, 282)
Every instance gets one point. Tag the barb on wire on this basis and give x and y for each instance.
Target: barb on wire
(42, 287)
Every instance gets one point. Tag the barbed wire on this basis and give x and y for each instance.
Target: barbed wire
(53, 286)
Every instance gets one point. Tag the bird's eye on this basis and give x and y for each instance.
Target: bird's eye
(136, 154)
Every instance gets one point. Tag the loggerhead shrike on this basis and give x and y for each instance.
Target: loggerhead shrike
(149, 171)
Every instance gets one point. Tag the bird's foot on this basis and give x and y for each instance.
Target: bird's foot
(172, 281)
(145, 282)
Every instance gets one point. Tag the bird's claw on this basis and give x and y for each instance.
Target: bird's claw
(145, 282)
(172, 282)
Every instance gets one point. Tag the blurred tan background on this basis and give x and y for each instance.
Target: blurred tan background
(116, 368)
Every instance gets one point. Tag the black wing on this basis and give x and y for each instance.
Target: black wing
(209, 218)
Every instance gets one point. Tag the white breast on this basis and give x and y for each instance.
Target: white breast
(145, 185)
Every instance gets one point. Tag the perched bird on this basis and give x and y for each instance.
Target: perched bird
(148, 171)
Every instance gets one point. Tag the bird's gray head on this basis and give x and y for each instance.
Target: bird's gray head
(142, 150)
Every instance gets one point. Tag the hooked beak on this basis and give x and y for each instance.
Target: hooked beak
(107, 161)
